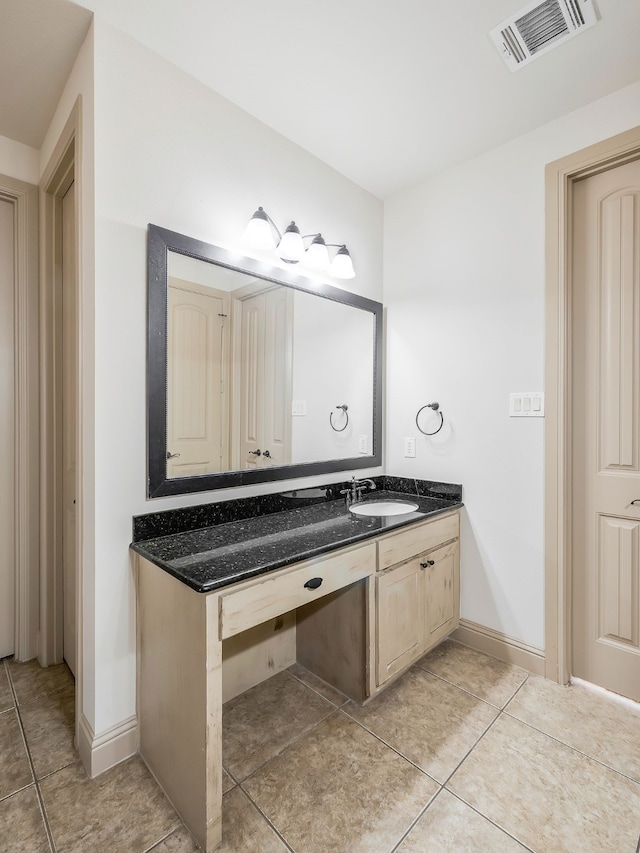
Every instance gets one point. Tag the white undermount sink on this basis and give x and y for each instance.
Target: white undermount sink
(383, 507)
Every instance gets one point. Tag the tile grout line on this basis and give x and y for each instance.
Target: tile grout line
(43, 812)
(469, 692)
(168, 835)
(284, 748)
(501, 711)
(317, 692)
(389, 746)
(573, 749)
(422, 813)
(490, 820)
(270, 823)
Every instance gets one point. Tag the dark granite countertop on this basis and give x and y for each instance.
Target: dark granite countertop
(216, 556)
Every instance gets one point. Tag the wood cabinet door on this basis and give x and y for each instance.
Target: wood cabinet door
(400, 616)
(442, 592)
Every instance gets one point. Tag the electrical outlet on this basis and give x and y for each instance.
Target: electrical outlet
(363, 444)
(410, 448)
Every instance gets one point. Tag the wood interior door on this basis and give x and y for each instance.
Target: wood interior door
(277, 376)
(7, 433)
(606, 430)
(197, 356)
(69, 428)
(251, 382)
(266, 370)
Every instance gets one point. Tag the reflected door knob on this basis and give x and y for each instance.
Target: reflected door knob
(257, 452)
(427, 563)
(267, 455)
(172, 455)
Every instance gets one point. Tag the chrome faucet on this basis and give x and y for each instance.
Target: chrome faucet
(355, 490)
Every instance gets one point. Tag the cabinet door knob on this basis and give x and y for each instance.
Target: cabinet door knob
(255, 452)
(314, 583)
(427, 563)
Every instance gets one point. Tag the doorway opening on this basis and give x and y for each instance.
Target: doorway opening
(60, 404)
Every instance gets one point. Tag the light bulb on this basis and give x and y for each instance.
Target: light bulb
(259, 234)
(291, 247)
(317, 255)
(342, 265)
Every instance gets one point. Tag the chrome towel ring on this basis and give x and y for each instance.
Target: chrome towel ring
(436, 408)
(344, 408)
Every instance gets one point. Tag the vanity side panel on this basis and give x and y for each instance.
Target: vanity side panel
(179, 698)
(332, 639)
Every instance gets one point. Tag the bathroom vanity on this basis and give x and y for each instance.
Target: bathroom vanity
(355, 600)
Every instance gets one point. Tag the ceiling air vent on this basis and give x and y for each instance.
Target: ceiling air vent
(540, 27)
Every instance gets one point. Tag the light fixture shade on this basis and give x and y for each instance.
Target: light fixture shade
(291, 247)
(259, 234)
(342, 265)
(317, 255)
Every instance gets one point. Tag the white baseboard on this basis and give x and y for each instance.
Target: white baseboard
(100, 752)
(500, 646)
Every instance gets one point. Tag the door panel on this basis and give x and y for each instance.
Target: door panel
(251, 385)
(442, 596)
(619, 386)
(197, 436)
(606, 429)
(400, 613)
(265, 378)
(278, 373)
(7, 435)
(617, 581)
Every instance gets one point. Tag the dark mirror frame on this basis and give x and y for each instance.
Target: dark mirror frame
(160, 242)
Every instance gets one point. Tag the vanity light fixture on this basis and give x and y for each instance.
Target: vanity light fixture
(262, 233)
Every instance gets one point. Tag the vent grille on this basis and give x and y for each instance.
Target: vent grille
(540, 27)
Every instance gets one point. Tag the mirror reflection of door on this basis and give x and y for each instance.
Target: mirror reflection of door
(265, 379)
(197, 386)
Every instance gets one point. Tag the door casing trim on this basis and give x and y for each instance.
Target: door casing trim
(560, 177)
(24, 199)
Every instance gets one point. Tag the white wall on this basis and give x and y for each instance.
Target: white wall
(464, 291)
(327, 337)
(171, 152)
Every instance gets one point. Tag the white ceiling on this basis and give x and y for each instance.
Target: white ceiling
(385, 92)
(39, 41)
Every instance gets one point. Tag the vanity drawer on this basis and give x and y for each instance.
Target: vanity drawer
(272, 596)
(416, 539)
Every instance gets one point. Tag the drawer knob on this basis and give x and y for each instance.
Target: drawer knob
(314, 583)
(427, 563)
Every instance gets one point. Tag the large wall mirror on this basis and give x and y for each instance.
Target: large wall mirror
(254, 373)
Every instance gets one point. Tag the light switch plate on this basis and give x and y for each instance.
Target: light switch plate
(363, 444)
(526, 404)
(299, 408)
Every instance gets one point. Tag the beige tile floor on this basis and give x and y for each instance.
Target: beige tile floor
(463, 753)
